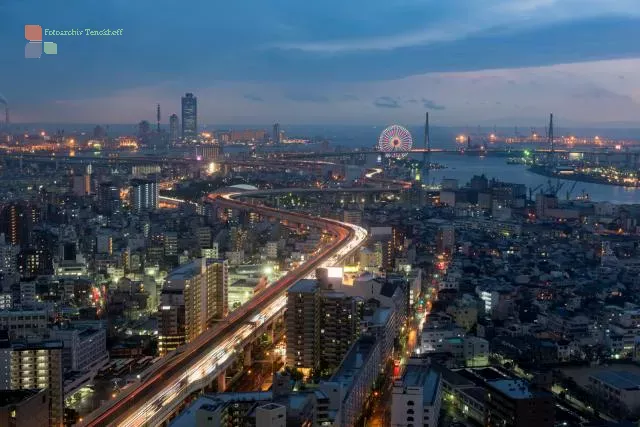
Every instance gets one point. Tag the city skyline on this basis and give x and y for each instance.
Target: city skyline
(501, 63)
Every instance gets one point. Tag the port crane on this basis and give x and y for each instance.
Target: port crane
(573, 187)
(554, 189)
(533, 190)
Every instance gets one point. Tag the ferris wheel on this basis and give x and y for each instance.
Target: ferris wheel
(395, 141)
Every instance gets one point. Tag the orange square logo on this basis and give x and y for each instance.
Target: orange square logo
(33, 33)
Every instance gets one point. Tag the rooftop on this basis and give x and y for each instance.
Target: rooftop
(425, 377)
(12, 397)
(353, 362)
(515, 389)
(623, 380)
(184, 272)
(304, 286)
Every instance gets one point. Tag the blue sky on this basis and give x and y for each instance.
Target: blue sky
(371, 62)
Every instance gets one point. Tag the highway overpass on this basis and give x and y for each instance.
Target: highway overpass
(198, 363)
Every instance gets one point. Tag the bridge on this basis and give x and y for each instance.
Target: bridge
(274, 158)
(197, 364)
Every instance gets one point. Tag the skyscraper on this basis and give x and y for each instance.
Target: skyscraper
(189, 116)
(17, 221)
(108, 198)
(320, 325)
(174, 133)
(192, 297)
(276, 133)
(144, 195)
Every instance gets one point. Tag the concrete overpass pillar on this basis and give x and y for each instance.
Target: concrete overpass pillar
(222, 381)
(247, 356)
(271, 330)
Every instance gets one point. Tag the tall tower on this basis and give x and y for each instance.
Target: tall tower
(158, 118)
(276, 133)
(426, 155)
(174, 133)
(189, 116)
(552, 141)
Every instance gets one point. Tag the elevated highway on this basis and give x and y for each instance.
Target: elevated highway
(197, 364)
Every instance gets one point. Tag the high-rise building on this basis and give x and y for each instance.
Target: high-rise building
(446, 239)
(109, 198)
(321, 326)
(36, 366)
(144, 195)
(211, 152)
(33, 262)
(99, 132)
(276, 133)
(81, 185)
(8, 260)
(17, 220)
(174, 132)
(144, 131)
(193, 296)
(189, 117)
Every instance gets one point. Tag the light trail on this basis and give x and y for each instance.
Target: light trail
(193, 366)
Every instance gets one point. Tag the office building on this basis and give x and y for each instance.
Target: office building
(352, 216)
(516, 403)
(189, 117)
(24, 408)
(193, 296)
(445, 239)
(276, 135)
(144, 195)
(81, 185)
(84, 348)
(321, 326)
(37, 366)
(174, 131)
(210, 152)
(417, 397)
(23, 323)
(108, 198)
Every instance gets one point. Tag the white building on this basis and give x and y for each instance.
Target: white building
(271, 415)
(416, 399)
(435, 339)
(84, 349)
(272, 250)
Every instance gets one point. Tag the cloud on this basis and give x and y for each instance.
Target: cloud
(431, 105)
(412, 101)
(252, 97)
(306, 97)
(600, 94)
(386, 102)
(487, 16)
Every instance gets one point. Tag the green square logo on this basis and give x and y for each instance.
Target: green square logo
(50, 48)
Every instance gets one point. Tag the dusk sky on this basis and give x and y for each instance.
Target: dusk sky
(504, 62)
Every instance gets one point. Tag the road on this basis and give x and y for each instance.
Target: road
(193, 366)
